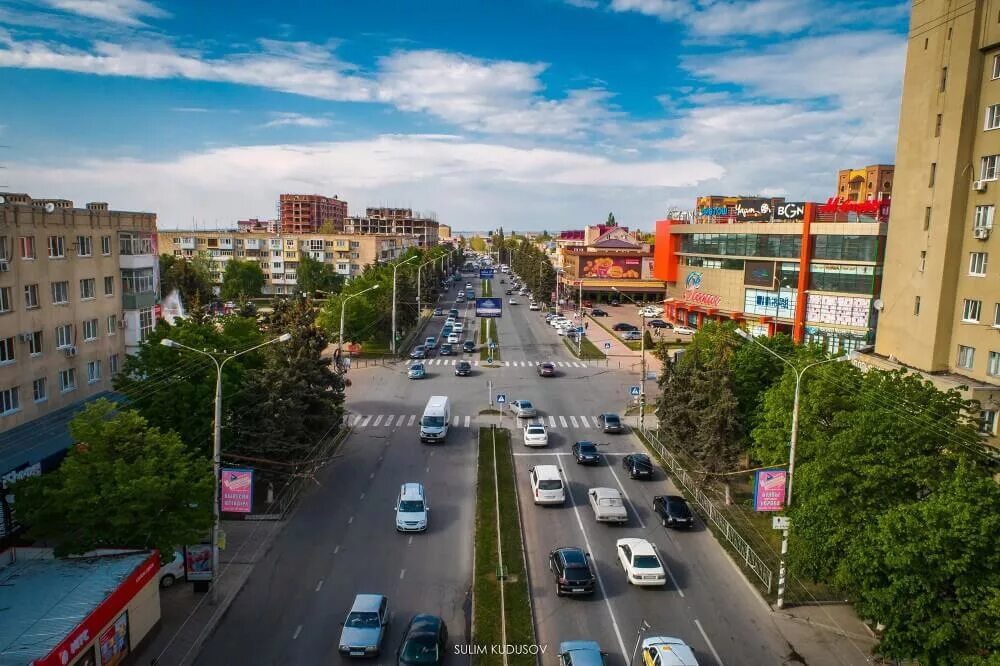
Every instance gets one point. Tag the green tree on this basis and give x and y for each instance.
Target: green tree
(718, 433)
(242, 279)
(313, 276)
(192, 278)
(123, 485)
(611, 220)
(477, 244)
(754, 371)
(675, 409)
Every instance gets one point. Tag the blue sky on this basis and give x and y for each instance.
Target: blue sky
(542, 114)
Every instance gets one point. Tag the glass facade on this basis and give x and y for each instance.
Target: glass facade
(836, 342)
(702, 262)
(849, 248)
(843, 278)
(743, 245)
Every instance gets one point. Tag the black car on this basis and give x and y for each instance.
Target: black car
(447, 350)
(586, 453)
(509, 292)
(673, 511)
(609, 422)
(598, 312)
(622, 326)
(615, 303)
(468, 346)
(425, 642)
(438, 312)
(572, 570)
(658, 323)
(638, 466)
(463, 369)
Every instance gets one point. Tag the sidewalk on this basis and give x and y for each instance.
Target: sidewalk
(187, 617)
(826, 635)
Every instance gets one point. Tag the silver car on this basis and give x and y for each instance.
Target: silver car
(523, 409)
(365, 626)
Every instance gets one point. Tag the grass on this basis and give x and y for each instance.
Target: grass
(484, 350)
(588, 351)
(486, 615)
(487, 289)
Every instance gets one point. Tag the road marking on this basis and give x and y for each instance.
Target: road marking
(573, 421)
(410, 542)
(597, 424)
(455, 421)
(362, 495)
(372, 475)
(475, 363)
(670, 573)
(413, 417)
(427, 469)
(467, 420)
(562, 422)
(298, 630)
(319, 585)
(378, 419)
(710, 646)
(432, 453)
(357, 418)
(336, 550)
(506, 364)
(401, 574)
(562, 453)
(350, 520)
(367, 419)
(597, 572)
(552, 422)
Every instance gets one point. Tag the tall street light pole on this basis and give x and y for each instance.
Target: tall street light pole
(642, 362)
(217, 439)
(394, 269)
(420, 268)
(782, 569)
(343, 306)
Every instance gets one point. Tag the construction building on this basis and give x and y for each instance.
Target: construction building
(388, 221)
(311, 213)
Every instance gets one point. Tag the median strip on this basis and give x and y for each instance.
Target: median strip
(484, 339)
(588, 350)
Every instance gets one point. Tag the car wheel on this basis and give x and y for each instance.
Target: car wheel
(663, 521)
(167, 581)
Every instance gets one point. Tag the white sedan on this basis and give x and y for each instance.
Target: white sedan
(684, 330)
(534, 306)
(641, 563)
(454, 339)
(535, 435)
(458, 327)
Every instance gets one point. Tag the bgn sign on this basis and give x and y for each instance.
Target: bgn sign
(790, 211)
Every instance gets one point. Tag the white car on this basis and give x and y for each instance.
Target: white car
(172, 571)
(454, 339)
(450, 321)
(534, 306)
(640, 562)
(667, 651)
(512, 301)
(607, 505)
(458, 327)
(535, 435)
(684, 330)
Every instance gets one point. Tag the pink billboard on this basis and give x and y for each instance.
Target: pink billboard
(627, 268)
(769, 490)
(237, 490)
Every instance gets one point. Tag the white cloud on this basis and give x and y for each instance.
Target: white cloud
(125, 12)
(665, 10)
(760, 17)
(282, 119)
(585, 4)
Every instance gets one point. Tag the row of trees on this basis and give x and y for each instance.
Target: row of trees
(529, 262)
(894, 501)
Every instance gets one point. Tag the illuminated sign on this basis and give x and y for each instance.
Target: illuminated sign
(790, 211)
(753, 210)
(714, 211)
(693, 280)
(878, 208)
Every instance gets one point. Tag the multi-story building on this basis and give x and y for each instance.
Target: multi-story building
(444, 232)
(395, 221)
(600, 259)
(810, 270)
(870, 182)
(253, 224)
(278, 254)
(942, 275)
(309, 213)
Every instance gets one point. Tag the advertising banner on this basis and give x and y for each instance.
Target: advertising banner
(769, 490)
(693, 293)
(759, 274)
(770, 303)
(237, 490)
(113, 643)
(792, 211)
(753, 210)
(617, 268)
(489, 307)
(839, 310)
(198, 562)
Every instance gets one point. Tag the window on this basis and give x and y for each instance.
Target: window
(977, 263)
(5, 304)
(996, 66)
(30, 296)
(9, 401)
(988, 167)
(109, 285)
(60, 292)
(923, 260)
(67, 380)
(996, 315)
(937, 126)
(89, 330)
(988, 422)
(984, 217)
(993, 364)
(112, 324)
(57, 249)
(130, 242)
(26, 244)
(64, 336)
(35, 343)
(93, 371)
(84, 246)
(145, 323)
(930, 182)
(88, 288)
(927, 218)
(971, 309)
(944, 78)
(992, 117)
(113, 364)
(137, 281)
(916, 305)
(39, 391)
(7, 350)
(966, 357)
(105, 245)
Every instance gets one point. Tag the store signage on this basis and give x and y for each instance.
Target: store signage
(693, 280)
(769, 489)
(692, 284)
(873, 208)
(770, 303)
(788, 212)
(237, 490)
(714, 211)
(753, 210)
(838, 310)
(198, 562)
(10, 478)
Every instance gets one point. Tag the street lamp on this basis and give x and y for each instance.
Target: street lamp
(642, 365)
(217, 439)
(794, 440)
(394, 269)
(343, 304)
(419, 269)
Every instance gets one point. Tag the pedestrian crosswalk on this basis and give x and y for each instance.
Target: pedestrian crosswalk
(507, 364)
(552, 422)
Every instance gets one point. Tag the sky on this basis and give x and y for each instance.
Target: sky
(525, 114)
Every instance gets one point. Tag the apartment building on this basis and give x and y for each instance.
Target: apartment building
(309, 213)
(395, 221)
(444, 233)
(278, 254)
(941, 292)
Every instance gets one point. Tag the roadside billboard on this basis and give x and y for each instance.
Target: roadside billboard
(489, 307)
(198, 562)
(617, 268)
(769, 490)
(237, 490)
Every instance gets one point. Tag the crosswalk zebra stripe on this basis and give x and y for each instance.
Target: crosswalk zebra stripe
(413, 417)
(552, 422)
(399, 421)
(357, 419)
(585, 421)
(560, 364)
(378, 419)
(467, 420)
(562, 422)
(475, 363)
(597, 424)
(454, 421)
(506, 364)
(573, 421)
(579, 365)
(367, 419)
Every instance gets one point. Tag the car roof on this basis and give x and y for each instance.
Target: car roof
(367, 603)
(425, 623)
(673, 651)
(584, 443)
(674, 498)
(548, 364)
(638, 546)
(411, 491)
(611, 415)
(536, 426)
(547, 470)
(583, 653)
(606, 492)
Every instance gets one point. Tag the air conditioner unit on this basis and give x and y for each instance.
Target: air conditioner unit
(25, 337)
(123, 323)
(981, 233)
(70, 351)
(4, 265)
(979, 185)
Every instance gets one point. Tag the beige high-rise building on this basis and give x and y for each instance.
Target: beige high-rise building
(941, 293)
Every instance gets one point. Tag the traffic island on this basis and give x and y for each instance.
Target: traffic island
(588, 351)
(487, 331)
(501, 605)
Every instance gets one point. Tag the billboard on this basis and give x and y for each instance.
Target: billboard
(770, 303)
(753, 210)
(618, 268)
(769, 490)
(237, 490)
(793, 211)
(489, 307)
(759, 274)
(198, 562)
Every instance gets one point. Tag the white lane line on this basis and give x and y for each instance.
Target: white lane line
(356, 419)
(432, 453)
(413, 417)
(628, 499)
(298, 630)
(553, 453)
(401, 574)
(427, 469)
(572, 420)
(455, 421)
(475, 363)
(670, 573)
(362, 495)
(350, 520)
(319, 585)
(367, 419)
(600, 579)
(562, 422)
(552, 422)
(372, 475)
(710, 646)
(597, 424)
(378, 419)
(467, 420)
(506, 364)
(410, 542)
(336, 550)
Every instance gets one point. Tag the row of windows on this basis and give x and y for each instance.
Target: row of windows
(847, 248)
(65, 336)
(10, 398)
(83, 246)
(59, 292)
(966, 358)
(847, 279)
(315, 244)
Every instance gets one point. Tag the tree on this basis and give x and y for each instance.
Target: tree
(754, 371)
(717, 438)
(123, 485)
(477, 244)
(313, 276)
(242, 279)
(192, 278)
(611, 220)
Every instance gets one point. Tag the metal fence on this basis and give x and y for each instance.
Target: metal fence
(753, 561)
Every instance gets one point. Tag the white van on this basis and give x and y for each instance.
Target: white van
(547, 485)
(434, 422)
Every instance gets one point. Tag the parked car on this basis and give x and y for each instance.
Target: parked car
(419, 352)
(416, 371)
(430, 342)
(611, 423)
(684, 330)
(447, 349)
(638, 465)
(586, 453)
(535, 435)
(631, 336)
(534, 306)
(581, 653)
(624, 326)
(547, 369)
(508, 292)
(673, 511)
(667, 651)
(640, 562)
(468, 346)
(523, 409)
(365, 626)
(598, 312)
(615, 303)
(425, 642)
(173, 570)
(573, 571)
(658, 323)
(607, 505)
(438, 312)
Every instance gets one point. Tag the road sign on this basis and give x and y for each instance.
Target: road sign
(486, 273)
(781, 522)
(634, 390)
(607, 345)
(489, 359)
(493, 345)
(501, 398)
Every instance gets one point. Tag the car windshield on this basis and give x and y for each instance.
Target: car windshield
(416, 368)
(525, 404)
(550, 484)
(420, 650)
(640, 461)
(362, 621)
(464, 365)
(611, 419)
(432, 421)
(587, 447)
(411, 506)
(536, 430)
(646, 562)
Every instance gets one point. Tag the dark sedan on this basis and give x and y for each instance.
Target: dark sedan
(638, 466)
(659, 323)
(447, 349)
(438, 312)
(463, 369)
(468, 346)
(586, 453)
(611, 423)
(622, 326)
(673, 511)
(425, 642)
(598, 312)
(572, 570)
(546, 369)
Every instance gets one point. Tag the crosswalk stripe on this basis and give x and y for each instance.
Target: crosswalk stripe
(560, 364)
(573, 421)
(413, 417)
(552, 422)
(367, 419)
(378, 419)
(475, 363)
(580, 365)
(399, 421)
(467, 420)
(506, 364)
(562, 422)
(454, 421)
(597, 424)
(357, 418)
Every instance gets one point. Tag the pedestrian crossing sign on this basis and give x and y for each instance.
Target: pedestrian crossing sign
(634, 390)
(501, 398)
(607, 345)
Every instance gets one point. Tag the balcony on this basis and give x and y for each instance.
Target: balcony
(138, 300)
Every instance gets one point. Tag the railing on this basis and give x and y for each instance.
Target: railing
(753, 561)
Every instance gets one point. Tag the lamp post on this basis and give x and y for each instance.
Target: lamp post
(420, 268)
(343, 305)
(217, 438)
(791, 453)
(642, 361)
(394, 269)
